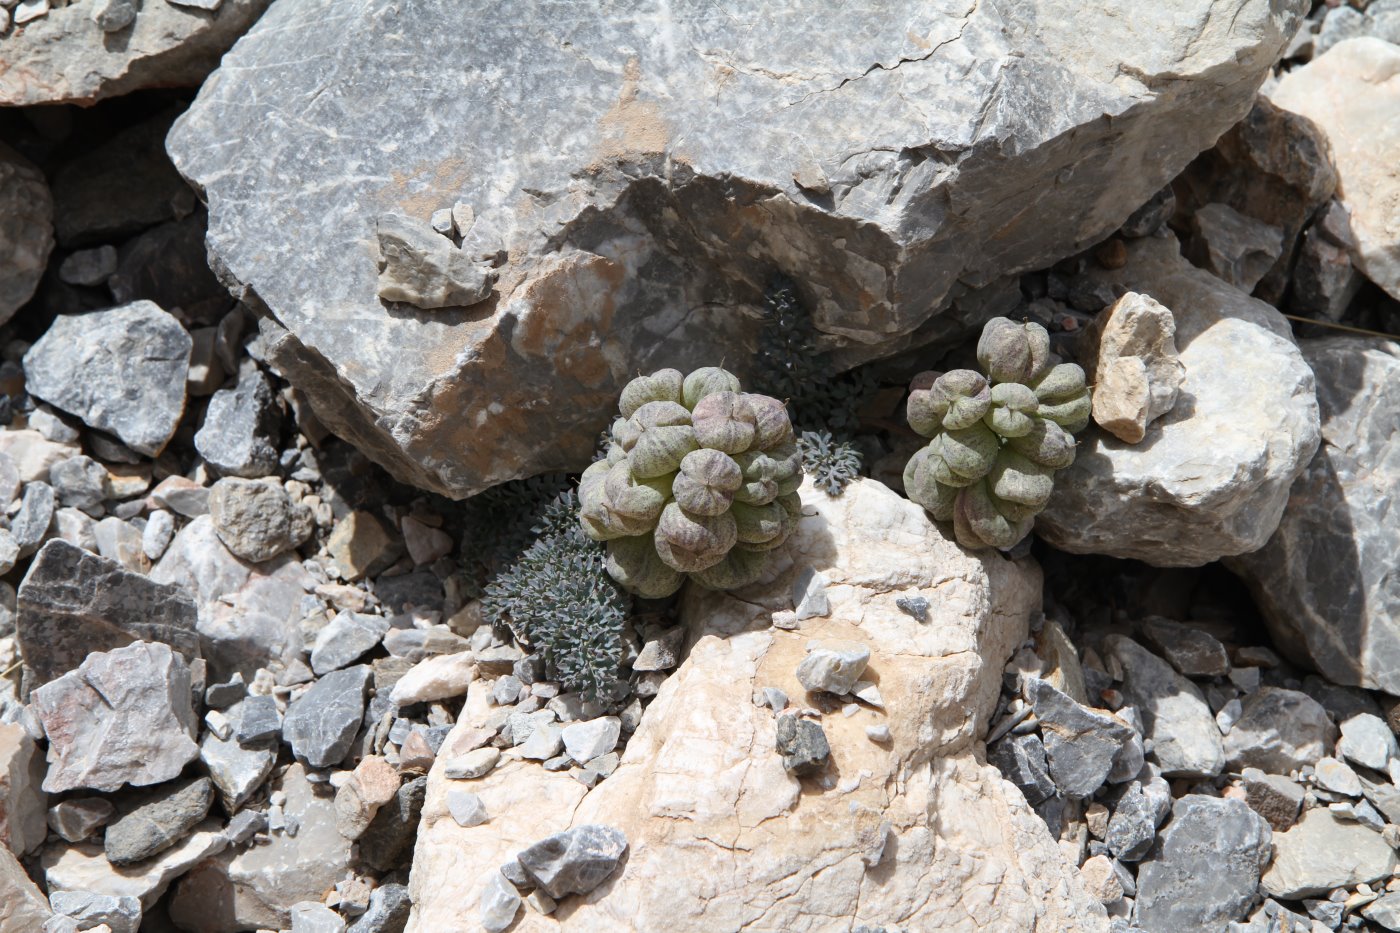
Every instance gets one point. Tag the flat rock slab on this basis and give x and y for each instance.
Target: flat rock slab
(121, 370)
(1210, 478)
(1325, 581)
(123, 717)
(65, 57)
(1323, 852)
(720, 836)
(72, 603)
(26, 229)
(640, 172)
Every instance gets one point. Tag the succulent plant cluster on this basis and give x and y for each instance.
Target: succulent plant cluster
(832, 464)
(996, 440)
(700, 480)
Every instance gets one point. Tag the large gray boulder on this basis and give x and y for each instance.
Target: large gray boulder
(26, 229)
(1211, 477)
(640, 173)
(67, 57)
(1325, 581)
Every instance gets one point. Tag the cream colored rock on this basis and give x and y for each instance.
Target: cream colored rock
(33, 453)
(23, 907)
(84, 866)
(916, 833)
(23, 803)
(1353, 93)
(437, 678)
(1211, 477)
(1132, 360)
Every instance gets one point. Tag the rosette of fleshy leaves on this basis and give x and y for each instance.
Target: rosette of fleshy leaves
(996, 440)
(700, 480)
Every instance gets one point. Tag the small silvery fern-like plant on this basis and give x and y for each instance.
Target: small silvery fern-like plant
(559, 599)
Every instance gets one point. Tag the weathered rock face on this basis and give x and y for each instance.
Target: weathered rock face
(26, 229)
(66, 57)
(677, 159)
(720, 836)
(1325, 580)
(121, 370)
(1352, 93)
(1211, 477)
(73, 603)
(22, 905)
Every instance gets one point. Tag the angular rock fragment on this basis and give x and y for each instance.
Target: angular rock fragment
(834, 668)
(1279, 731)
(68, 58)
(161, 819)
(31, 525)
(123, 717)
(1080, 743)
(120, 371)
(1192, 651)
(1185, 739)
(1323, 581)
(23, 907)
(803, 745)
(26, 229)
(322, 722)
(500, 902)
(72, 603)
(575, 861)
(1323, 852)
(658, 189)
(1211, 477)
(1274, 797)
(1021, 760)
(1234, 247)
(78, 818)
(1130, 355)
(242, 426)
(256, 519)
(22, 801)
(419, 266)
(372, 784)
(1350, 92)
(1367, 741)
(236, 767)
(344, 639)
(121, 914)
(1204, 871)
(1325, 280)
(388, 911)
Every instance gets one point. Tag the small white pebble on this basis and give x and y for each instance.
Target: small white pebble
(880, 733)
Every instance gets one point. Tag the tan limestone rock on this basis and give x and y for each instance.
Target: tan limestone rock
(916, 832)
(1132, 362)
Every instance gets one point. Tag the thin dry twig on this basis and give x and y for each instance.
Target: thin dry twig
(1345, 327)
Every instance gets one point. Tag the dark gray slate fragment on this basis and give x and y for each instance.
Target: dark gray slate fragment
(1021, 760)
(72, 603)
(803, 745)
(1204, 871)
(320, 724)
(158, 821)
(80, 482)
(1080, 743)
(121, 370)
(672, 169)
(258, 720)
(575, 861)
(1191, 651)
(30, 526)
(388, 841)
(1279, 731)
(388, 911)
(1133, 825)
(242, 426)
(1325, 581)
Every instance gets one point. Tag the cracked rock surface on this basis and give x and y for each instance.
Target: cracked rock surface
(907, 829)
(678, 160)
